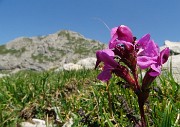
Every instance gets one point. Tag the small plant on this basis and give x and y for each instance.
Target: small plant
(125, 57)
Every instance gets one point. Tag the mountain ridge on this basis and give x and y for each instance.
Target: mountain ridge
(49, 51)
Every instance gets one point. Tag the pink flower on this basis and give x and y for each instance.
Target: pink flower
(111, 66)
(121, 33)
(144, 52)
(122, 44)
(147, 52)
(107, 57)
(126, 53)
(148, 55)
(162, 58)
(155, 69)
(123, 48)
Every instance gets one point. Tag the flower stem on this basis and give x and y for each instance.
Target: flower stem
(135, 75)
(139, 93)
(141, 108)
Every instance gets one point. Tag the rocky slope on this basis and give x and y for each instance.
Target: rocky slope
(46, 52)
(64, 50)
(174, 59)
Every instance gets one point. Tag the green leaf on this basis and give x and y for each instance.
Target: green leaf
(108, 121)
(167, 116)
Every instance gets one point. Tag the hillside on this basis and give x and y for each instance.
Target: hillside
(46, 52)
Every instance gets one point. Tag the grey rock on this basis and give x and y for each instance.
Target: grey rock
(34, 123)
(87, 63)
(71, 66)
(27, 124)
(3, 68)
(175, 61)
(174, 47)
(69, 123)
(47, 52)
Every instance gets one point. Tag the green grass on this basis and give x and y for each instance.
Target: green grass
(78, 94)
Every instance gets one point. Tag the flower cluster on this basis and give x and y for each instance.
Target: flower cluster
(125, 54)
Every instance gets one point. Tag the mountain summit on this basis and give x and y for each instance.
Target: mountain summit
(46, 52)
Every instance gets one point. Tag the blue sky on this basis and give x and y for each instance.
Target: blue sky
(160, 18)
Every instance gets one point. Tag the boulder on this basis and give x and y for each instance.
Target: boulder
(35, 123)
(3, 68)
(175, 61)
(87, 63)
(71, 66)
(174, 47)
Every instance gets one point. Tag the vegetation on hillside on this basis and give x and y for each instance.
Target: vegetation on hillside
(79, 95)
(17, 53)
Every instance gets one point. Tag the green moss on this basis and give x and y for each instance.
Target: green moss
(41, 58)
(80, 49)
(17, 53)
(64, 34)
(51, 49)
(38, 57)
(62, 52)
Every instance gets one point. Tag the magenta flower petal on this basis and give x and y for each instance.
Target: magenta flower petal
(124, 33)
(106, 56)
(152, 49)
(100, 58)
(144, 61)
(105, 75)
(148, 52)
(121, 43)
(113, 42)
(118, 34)
(156, 70)
(164, 55)
(149, 49)
(141, 43)
(113, 31)
(114, 37)
(107, 52)
(154, 73)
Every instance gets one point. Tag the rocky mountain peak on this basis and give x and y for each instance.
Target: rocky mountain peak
(44, 52)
